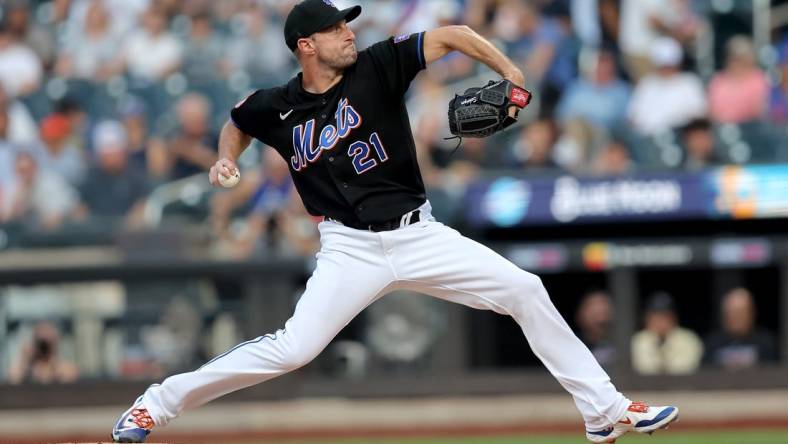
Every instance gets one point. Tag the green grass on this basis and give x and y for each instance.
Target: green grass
(746, 437)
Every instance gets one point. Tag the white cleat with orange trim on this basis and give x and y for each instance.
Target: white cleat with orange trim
(639, 417)
(134, 425)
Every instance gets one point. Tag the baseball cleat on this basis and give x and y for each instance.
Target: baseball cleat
(639, 417)
(134, 425)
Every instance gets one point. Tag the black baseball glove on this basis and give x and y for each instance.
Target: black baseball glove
(482, 112)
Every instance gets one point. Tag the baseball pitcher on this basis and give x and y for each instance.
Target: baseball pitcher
(342, 126)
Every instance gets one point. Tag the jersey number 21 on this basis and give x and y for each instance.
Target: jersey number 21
(361, 154)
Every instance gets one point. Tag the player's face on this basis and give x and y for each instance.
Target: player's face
(336, 46)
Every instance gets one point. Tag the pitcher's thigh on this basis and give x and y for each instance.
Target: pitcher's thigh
(338, 290)
(456, 268)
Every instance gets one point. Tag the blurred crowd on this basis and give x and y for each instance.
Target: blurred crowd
(107, 107)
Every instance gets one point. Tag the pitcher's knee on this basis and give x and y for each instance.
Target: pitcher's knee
(527, 291)
(527, 284)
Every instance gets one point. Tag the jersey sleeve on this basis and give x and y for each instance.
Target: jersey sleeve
(398, 60)
(251, 114)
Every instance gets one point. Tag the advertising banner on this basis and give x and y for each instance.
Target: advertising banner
(727, 192)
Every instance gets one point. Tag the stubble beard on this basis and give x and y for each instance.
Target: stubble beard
(344, 61)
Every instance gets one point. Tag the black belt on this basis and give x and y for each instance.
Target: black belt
(387, 225)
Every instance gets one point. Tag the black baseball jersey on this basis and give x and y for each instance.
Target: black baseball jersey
(350, 150)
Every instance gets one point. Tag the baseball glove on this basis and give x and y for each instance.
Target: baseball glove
(482, 112)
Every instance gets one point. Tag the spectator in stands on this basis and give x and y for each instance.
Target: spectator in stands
(113, 189)
(132, 114)
(153, 53)
(124, 15)
(637, 34)
(533, 150)
(204, 60)
(591, 107)
(697, 137)
(191, 149)
(22, 129)
(529, 38)
(740, 343)
(265, 68)
(594, 319)
(613, 159)
(740, 92)
(58, 152)
(595, 22)
(36, 197)
(599, 98)
(669, 98)
(27, 32)
(778, 99)
(663, 347)
(91, 53)
(643, 22)
(40, 360)
(20, 68)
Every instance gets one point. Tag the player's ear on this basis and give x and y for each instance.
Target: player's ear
(306, 45)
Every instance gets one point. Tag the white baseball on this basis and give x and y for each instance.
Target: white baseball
(229, 182)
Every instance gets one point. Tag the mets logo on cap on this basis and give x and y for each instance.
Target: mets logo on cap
(329, 3)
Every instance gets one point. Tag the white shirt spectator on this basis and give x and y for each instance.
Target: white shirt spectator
(51, 197)
(89, 55)
(19, 69)
(636, 31)
(585, 21)
(151, 57)
(660, 103)
(124, 13)
(667, 98)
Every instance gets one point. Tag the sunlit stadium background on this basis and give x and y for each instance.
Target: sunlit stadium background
(647, 184)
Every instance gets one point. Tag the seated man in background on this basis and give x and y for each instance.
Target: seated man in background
(663, 347)
(113, 189)
(187, 149)
(595, 319)
(36, 197)
(739, 343)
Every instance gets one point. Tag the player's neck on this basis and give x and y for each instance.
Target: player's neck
(319, 79)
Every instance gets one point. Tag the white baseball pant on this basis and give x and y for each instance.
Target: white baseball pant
(354, 269)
